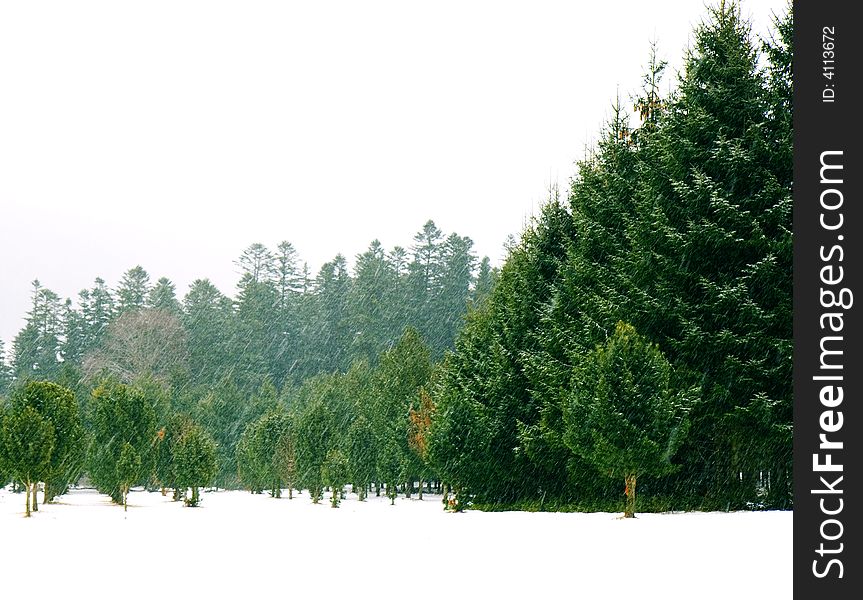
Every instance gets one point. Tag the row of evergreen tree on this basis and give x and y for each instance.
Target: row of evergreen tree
(680, 228)
(365, 427)
(282, 324)
(638, 332)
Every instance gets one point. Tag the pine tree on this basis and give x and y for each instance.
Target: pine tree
(272, 446)
(58, 407)
(313, 444)
(485, 279)
(37, 347)
(5, 371)
(258, 263)
(623, 415)
(332, 327)
(163, 296)
(371, 315)
(334, 473)
(128, 471)
(194, 461)
(362, 456)
(166, 440)
(209, 322)
(483, 384)
(133, 290)
(27, 441)
(458, 263)
(400, 375)
(391, 468)
(712, 255)
(119, 414)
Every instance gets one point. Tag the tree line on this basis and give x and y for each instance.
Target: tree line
(642, 325)
(154, 377)
(638, 333)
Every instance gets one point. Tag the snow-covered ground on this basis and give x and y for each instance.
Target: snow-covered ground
(237, 545)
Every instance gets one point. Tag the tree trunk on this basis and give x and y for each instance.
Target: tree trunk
(377, 488)
(33, 497)
(630, 496)
(290, 492)
(27, 487)
(46, 498)
(125, 500)
(421, 489)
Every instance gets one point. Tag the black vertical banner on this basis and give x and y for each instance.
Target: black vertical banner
(828, 362)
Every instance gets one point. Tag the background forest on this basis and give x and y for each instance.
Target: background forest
(638, 330)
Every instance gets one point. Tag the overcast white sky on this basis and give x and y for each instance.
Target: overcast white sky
(172, 134)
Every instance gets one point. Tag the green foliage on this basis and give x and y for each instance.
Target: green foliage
(362, 454)
(28, 439)
(314, 440)
(26, 442)
(623, 415)
(334, 473)
(128, 470)
(37, 345)
(681, 227)
(195, 462)
(166, 440)
(120, 414)
(391, 468)
(133, 290)
(57, 405)
(268, 453)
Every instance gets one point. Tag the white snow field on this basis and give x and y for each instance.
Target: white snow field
(237, 545)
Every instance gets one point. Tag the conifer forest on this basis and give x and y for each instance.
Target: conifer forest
(631, 353)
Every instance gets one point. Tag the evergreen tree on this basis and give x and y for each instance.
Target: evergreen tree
(194, 461)
(37, 347)
(133, 290)
(332, 326)
(287, 343)
(5, 371)
(458, 263)
(402, 372)
(313, 444)
(27, 440)
(209, 322)
(221, 412)
(119, 414)
(74, 335)
(58, 407)
(623, 415)
(485, 381)
(272, 446)
(97, 308)
(391, 469)
(484, 282)
(163, 296)
(362, 456)
(334, 474)
(370, 297)
(424, 279)
(257, 313)
(128, 471)
(166, 441)
(712, 260)
(258, 263)
(251, 470)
